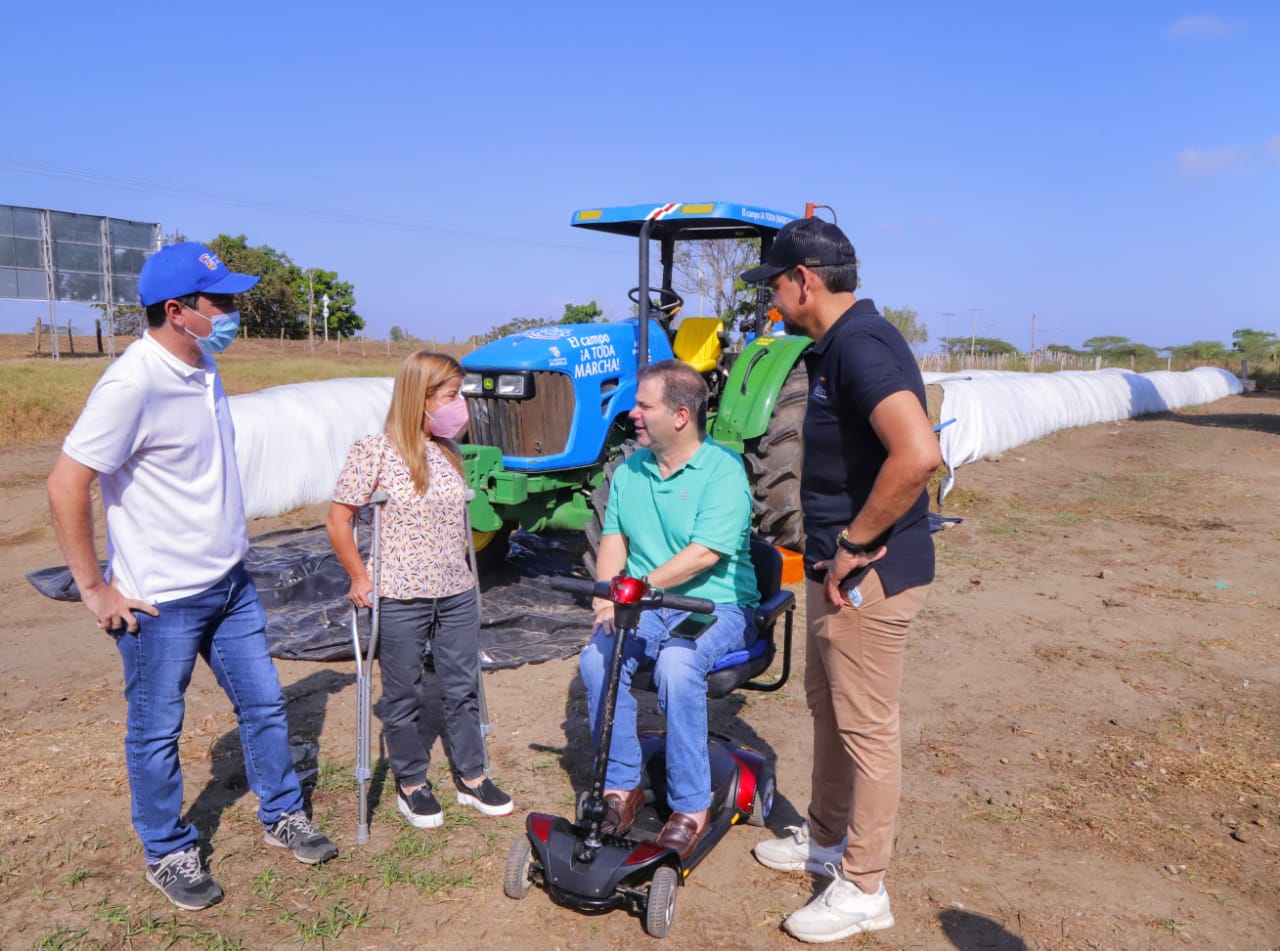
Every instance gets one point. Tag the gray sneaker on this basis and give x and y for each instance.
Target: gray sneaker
(797, 852)
(294, 831)
(183, 879)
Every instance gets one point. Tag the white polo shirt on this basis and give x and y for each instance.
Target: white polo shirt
(158, 432)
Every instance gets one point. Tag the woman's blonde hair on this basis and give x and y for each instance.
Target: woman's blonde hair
(420, 376)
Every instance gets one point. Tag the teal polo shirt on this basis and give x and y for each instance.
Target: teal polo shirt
(707, 500)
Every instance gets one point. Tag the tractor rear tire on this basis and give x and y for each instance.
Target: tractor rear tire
(600, 501)
(773, 466)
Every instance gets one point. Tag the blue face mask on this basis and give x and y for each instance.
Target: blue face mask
(224, 331)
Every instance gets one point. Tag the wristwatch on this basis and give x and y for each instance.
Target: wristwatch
(852, 547)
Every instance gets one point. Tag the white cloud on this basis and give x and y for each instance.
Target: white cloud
(1207, 162)
(1202, 26)
(1271, 148)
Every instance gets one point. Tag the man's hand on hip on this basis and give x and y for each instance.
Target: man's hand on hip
(840, 567)
(113, 610)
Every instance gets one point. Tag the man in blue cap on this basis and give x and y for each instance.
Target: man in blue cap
(157, 435)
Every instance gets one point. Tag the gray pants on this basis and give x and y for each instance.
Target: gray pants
(452, 625)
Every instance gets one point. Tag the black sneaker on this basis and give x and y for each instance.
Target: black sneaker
(420, 807)
(294, 831)
(486, 797)
(184, 880)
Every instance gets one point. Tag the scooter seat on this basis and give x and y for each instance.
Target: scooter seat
(734, 658)
(736, 668)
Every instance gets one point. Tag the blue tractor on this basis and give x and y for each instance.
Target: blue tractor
(549, 406)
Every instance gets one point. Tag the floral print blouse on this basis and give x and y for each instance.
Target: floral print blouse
(424, 540)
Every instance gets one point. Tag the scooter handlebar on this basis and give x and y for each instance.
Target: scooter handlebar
(649, 600)
(678, 602)
(592, 589)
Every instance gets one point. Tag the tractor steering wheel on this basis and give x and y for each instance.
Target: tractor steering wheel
(669, 302)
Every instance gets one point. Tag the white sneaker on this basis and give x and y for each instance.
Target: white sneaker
(798, 853)
(840, 911)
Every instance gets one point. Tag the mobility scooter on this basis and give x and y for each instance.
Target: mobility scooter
(582, 866)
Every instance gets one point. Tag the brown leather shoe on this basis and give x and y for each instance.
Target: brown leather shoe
(681, 834)
(622, 810)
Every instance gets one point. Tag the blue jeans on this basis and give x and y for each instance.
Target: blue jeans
(224, 624)
(680, 669)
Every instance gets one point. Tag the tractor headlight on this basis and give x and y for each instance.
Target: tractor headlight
(512, 385)
(472, 384)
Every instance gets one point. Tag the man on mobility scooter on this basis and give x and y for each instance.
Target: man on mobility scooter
(679, 516)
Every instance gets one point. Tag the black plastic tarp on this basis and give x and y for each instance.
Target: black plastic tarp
(303, 589)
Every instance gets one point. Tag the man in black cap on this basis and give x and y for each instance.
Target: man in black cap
(156, 434)
(868, 453)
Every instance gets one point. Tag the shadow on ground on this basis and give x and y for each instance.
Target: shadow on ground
(306, 702)
(973, 932)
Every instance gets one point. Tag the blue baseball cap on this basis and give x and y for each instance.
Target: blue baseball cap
(188, 268)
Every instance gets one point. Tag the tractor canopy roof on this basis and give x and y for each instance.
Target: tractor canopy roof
(686, 221)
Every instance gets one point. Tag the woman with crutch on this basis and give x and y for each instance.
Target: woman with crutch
(427, 590)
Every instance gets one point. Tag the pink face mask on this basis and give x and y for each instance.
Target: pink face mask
(450, 419)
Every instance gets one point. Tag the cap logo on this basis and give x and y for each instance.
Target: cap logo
(210, 261)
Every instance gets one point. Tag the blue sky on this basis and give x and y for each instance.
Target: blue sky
(1111, 168)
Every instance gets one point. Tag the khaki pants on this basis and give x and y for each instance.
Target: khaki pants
(852, 678)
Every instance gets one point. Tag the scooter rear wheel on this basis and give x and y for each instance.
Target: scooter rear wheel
(660, 909)
(515, 880)
(762, 802)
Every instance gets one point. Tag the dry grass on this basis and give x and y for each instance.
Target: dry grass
(40, 398)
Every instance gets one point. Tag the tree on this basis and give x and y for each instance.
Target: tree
(313, 284)
(1070, 351)
(130, 319)
(711, 269)
(1118, 348)
(513, 326)
(1199, 350)
(581, 313)
(1255, 345)
(271, 307)
(1103, 346)
(908, 323)
(983, 346)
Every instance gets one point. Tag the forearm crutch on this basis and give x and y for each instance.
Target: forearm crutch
(475, 571)
(364, 667)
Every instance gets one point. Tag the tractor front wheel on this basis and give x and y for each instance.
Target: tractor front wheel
(600, 501)
(491, 548)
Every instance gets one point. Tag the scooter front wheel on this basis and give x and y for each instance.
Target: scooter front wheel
(515, 880)
(660, 908)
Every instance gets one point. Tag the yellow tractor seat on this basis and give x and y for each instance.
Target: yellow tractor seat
(697, 342)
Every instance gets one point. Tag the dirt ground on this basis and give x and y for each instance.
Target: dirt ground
(1092, 755)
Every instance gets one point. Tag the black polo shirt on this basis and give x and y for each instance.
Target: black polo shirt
(858, 362)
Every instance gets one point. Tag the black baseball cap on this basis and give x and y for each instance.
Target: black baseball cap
(812, 242)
